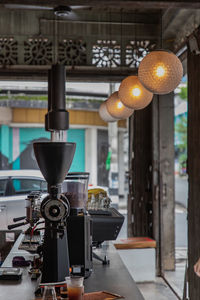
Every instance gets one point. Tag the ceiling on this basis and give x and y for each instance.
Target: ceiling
(90, 24)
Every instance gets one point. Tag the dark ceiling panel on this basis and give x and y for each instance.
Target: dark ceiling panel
(112, 3)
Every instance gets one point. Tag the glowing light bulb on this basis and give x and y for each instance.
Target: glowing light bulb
(119, 105)
(116, 108)
(136, 92)
(160, 71)
(104, 114)
(133, 94)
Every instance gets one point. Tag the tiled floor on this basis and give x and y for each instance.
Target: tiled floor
(156, 290)
(176, 278)
(159, 289)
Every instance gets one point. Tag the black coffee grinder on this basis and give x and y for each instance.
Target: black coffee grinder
(54, 159)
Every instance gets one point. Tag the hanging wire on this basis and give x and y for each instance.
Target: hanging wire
(161, 31)
(109, 44)
(109, 52)
(55, 58)
(135, 54)
(121, 40)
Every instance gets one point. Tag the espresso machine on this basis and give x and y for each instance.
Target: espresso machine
(54, 160)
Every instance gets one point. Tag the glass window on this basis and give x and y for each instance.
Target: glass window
(27, 185)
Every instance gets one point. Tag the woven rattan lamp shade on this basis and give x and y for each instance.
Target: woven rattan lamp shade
(133, 94)
(104, 114)
(160, 72)
(116, 108)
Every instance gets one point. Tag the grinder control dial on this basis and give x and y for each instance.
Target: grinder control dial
(54, 210)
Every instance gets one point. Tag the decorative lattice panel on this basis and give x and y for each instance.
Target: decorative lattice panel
(8, 51)
(72, 52)
(106, 53)
(136, 51)
(38, 51)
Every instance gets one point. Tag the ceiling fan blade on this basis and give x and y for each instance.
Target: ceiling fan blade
(81, 7)
(31, 7)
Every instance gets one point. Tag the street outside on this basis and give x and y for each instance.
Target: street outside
(175, 278)
(181, 198)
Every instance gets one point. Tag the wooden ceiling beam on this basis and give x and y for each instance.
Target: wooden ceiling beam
(130, 4)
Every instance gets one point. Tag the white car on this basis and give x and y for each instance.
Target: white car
(15, 185)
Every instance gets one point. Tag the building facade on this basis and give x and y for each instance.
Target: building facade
(22, 126)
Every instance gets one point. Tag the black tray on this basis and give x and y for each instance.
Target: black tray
(10, 273)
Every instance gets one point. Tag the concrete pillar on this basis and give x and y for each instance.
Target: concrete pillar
(193, 167)
(121, 163)
(5, 115)
(113, 147)
(91, 154)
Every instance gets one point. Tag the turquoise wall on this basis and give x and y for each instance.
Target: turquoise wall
(6, 148)
(26, 137)
(77, 136)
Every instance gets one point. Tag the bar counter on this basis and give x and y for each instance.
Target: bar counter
(113, 278)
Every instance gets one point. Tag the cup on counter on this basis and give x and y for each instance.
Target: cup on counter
(75, 287)
(63, 291)
(49, 293)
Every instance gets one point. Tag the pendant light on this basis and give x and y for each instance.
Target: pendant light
(133, 94)
(104, 114)
(160, 72)
(116, 108)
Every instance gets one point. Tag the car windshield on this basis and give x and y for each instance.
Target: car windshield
(26, 185)
(2, 186)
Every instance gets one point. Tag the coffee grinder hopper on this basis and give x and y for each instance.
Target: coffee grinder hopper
(54, 160)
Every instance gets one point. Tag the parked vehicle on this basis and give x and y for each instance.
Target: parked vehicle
(15, 185)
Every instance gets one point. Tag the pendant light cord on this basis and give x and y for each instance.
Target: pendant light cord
(161, 30)
(55, 58)
(135, 54)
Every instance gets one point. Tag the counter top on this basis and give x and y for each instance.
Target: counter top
(18, 290)
(113, 278)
